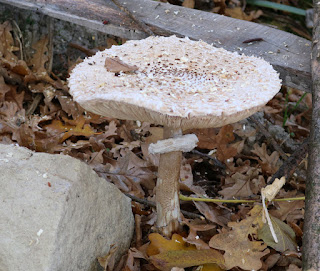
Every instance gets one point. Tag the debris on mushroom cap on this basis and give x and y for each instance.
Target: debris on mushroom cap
(178, 83)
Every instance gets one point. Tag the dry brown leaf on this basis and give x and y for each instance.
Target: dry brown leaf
(128, 173)
(271, 260)
(116, 65)
(133, 261)
(239, 249)
(4, 88)
(269, 163)
(107, 262)
(38, 62)
(238, 13)
(288, 210)
(68, 105)
(208, 139)
(293, 267)
(240, 185)
(213, 213)
(241, 189)
(195, 227)
(6, 43)
(188, 3)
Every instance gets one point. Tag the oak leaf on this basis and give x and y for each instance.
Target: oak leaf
(269, 163)
(68, 130)
(166, 254)
(239, 249)
(208, 139)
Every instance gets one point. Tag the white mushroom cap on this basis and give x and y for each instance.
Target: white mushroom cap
(179, 83)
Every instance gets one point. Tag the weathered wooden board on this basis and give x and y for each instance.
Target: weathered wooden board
(289, 54)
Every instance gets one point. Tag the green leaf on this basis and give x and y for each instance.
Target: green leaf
(285, 235)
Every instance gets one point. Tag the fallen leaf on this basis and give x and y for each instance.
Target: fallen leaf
(238, 13)
(188, 3)
(67, 130)
(39, 60)
(213, 213)
(239, 185)
(166, 254)
(4, 88)
(285, 235)
(107, 262)
(208, 139)
(293, 267)
(160, 244)
(195, 227)
(269, 163)
(186, 258)
(117, 65)
(239, 249)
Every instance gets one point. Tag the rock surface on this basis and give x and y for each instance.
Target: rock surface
(57, 214)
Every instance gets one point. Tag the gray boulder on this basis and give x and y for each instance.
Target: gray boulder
(57, 214)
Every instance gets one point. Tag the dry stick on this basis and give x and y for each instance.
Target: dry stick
(34, 104)
(311, 236)
(269, 137)
(215, 160)
(153, 204)
(137, 220)
(143, 26)
(50, 44)
(88, 52)
(290, 165)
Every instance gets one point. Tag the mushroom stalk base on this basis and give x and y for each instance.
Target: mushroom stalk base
(167, 190)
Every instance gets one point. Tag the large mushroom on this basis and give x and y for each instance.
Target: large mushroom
(180, 84)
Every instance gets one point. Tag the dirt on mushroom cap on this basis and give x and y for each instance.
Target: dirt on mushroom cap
(178, 79)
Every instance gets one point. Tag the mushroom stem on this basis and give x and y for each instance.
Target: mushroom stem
(167, 190)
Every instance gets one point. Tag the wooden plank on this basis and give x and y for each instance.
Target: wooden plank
(86, 13)
(289, 54)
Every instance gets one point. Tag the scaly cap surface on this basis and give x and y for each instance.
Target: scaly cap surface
(179, 83)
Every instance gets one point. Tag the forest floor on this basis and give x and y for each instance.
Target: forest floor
(233, 162)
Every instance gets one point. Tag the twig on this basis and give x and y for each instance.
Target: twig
(153, 204)
(18, 34)
(88, 52)
(137, 220)
(289, 166)
(34, 104)
(50, 44)
(143, 26)
(215, 160)
(269, 137)
(232, 201)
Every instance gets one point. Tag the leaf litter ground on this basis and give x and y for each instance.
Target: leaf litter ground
(233, 162)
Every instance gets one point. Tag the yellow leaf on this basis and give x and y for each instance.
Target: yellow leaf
(211, 267)
(81, 129)
(159, 244)
(166, 254)
(239, 250)
(186, 258)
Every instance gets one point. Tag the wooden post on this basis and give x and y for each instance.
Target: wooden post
(311, 237)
